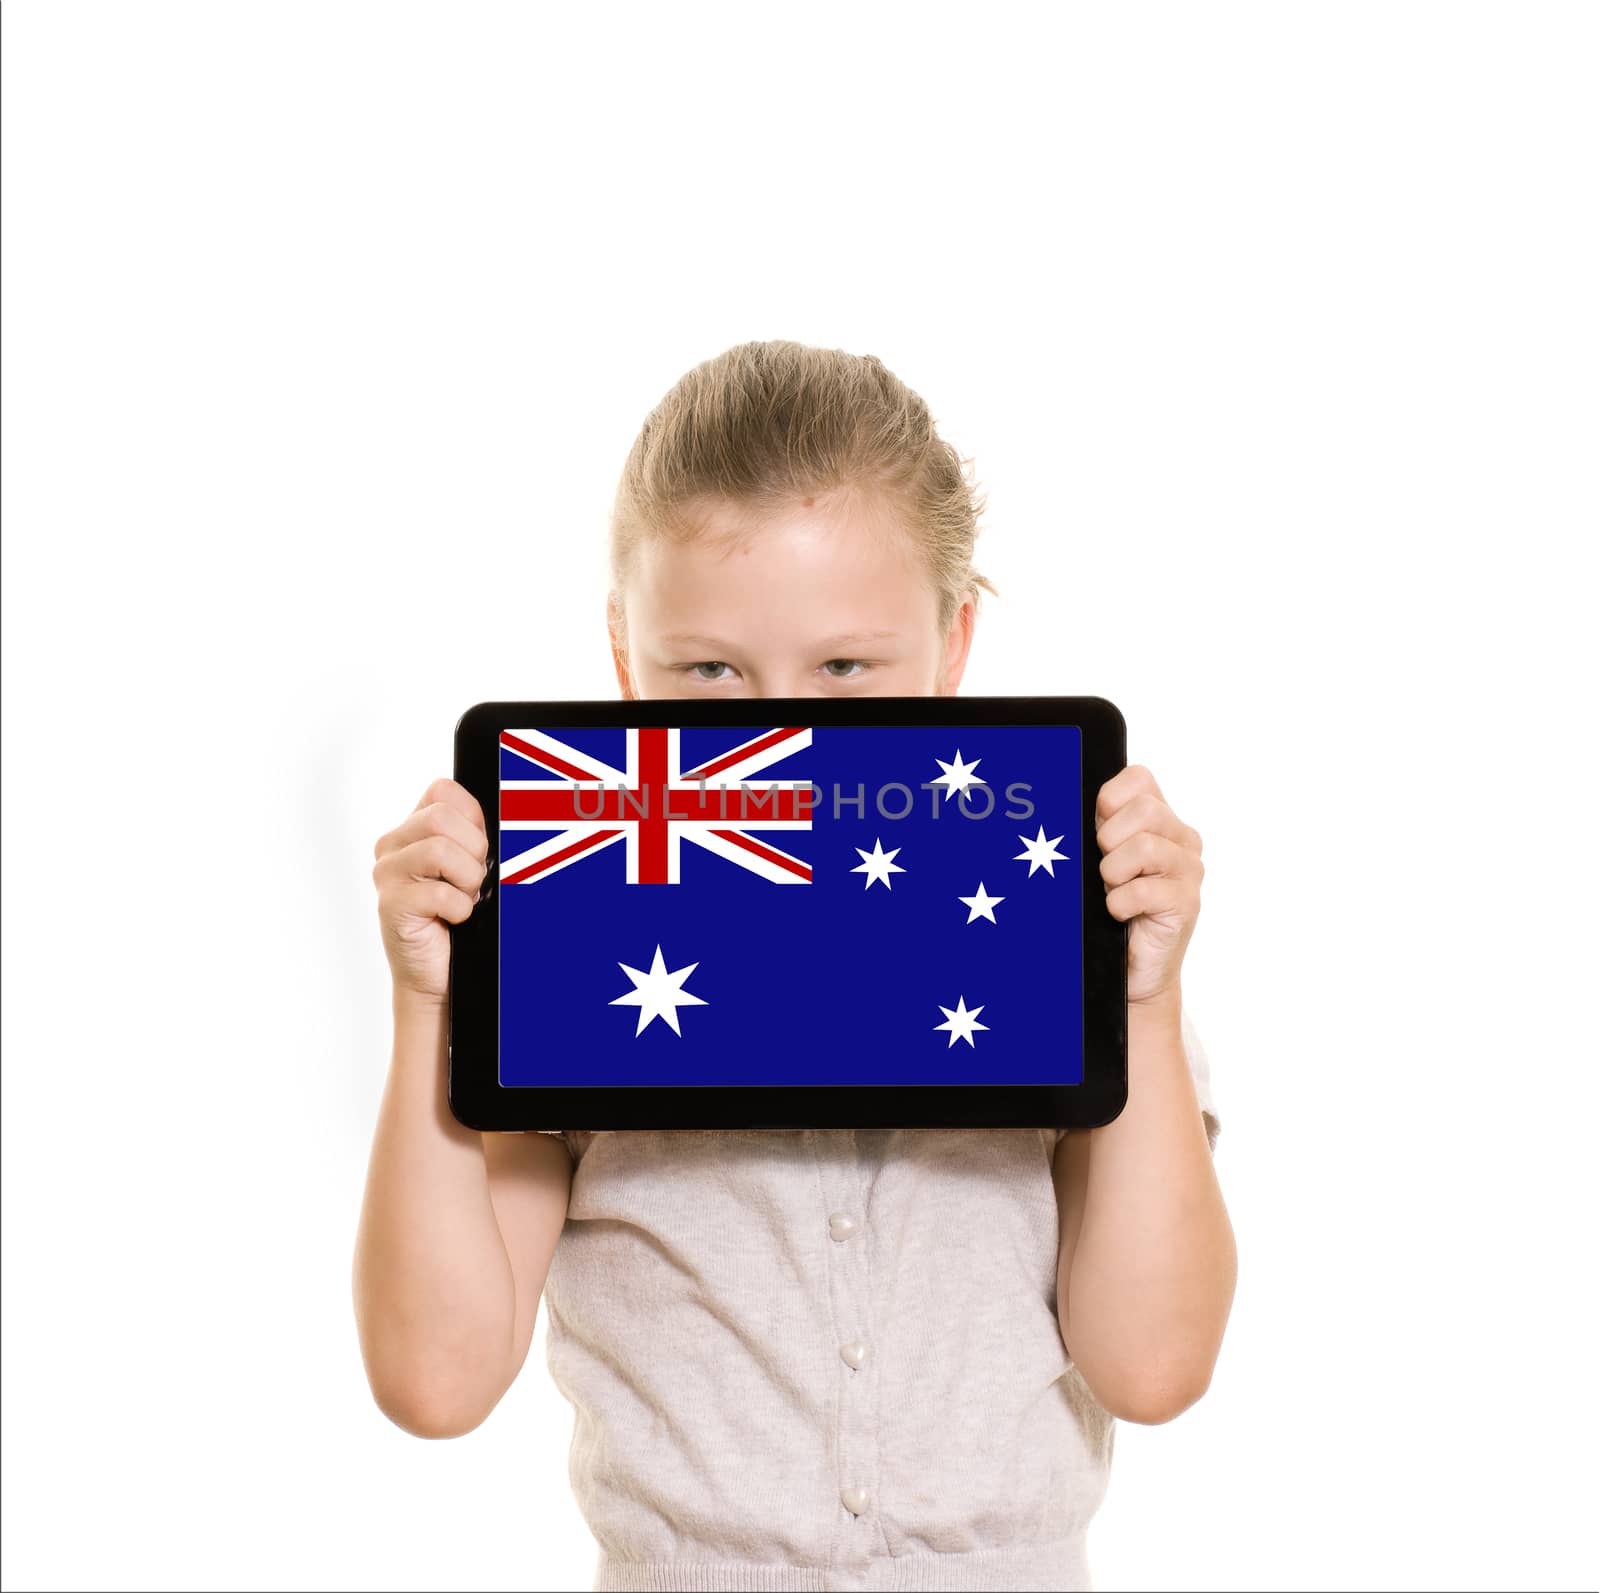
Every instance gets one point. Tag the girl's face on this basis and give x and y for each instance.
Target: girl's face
(825, 602)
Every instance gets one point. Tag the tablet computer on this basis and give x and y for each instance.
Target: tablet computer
(789, 913)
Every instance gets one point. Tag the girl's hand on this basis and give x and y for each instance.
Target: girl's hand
(1152, 872)
(428, 871)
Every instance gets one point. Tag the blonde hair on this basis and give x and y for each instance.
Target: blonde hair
(767, 425)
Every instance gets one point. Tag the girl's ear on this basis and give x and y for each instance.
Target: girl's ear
(957, 645)
(619, 656)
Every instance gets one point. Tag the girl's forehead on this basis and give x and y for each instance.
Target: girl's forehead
(800, 577)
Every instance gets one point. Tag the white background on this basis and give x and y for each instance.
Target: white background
(1273, 332)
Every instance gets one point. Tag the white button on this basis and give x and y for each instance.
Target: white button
(841, 1225)
(855, 1499)
(854, 1354)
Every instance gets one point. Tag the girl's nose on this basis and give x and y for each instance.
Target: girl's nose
(796, 686)
(781, 683)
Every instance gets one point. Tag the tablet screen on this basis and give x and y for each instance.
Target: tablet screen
(760, 905)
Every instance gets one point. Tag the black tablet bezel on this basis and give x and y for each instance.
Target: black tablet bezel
(479, 1101)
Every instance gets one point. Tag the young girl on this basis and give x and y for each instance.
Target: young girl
(833, 1358)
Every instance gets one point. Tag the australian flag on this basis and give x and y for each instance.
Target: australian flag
(846, 904)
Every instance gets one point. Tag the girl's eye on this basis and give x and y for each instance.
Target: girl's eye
(713, 670)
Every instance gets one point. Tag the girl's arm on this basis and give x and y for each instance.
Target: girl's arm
(457, 1227)
(1147, 1263)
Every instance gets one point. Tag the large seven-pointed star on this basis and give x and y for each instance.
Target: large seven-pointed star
(658, 994)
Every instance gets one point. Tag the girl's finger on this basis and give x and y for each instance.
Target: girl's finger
(429, 898)
(431, 857)
(1121, 788)
(1146, 852)
(1145, 811)
(435, 818)
(1154, 893)
(455, 795)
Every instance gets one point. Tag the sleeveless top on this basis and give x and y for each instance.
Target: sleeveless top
(825, 1358)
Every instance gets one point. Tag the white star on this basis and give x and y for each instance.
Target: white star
(878, 864)
(982, 904)
(962, 1022)
(657, 994)
(957, 776)
(1040, 853)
